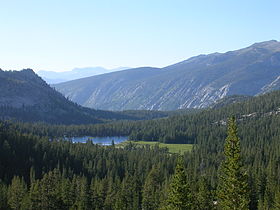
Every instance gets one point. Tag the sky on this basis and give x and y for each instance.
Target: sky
(59, 35)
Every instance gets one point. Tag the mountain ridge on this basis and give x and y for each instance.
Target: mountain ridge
(196, 82)
(53, 77)
(24, 96)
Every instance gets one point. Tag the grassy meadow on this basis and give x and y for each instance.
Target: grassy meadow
(173, 148)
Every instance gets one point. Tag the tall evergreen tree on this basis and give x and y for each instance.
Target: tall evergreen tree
(179, 196)
(232, 189)
(204, 198)
(49, 190)
(83, 200)
(3, 196)
(16, 193)
(35, 196)
(277, 201)
(152, 189)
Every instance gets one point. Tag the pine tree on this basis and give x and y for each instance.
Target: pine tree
(151, 189)
(67, 193)
(35, 196)
(127, 193)
(204, 198)
(232, 189)
(16, 193)
(50, 198)
(277, 201)
(179, 196)
(32, 175)
(3, 196)
(253, 192)
(83, 199)
(270, 187)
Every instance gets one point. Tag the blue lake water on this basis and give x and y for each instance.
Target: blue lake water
(99, 140)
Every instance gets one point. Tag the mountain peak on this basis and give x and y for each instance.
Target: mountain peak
(28, 72)
(193, 83)
(271, 45)
(273, 41)
(53, 77)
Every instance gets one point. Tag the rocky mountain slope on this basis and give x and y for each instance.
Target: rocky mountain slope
(26, 97)
(194, 83)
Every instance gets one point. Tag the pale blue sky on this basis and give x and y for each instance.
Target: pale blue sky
(62, 34)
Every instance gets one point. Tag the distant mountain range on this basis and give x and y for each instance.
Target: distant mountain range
(25, 96)
(194, 83)
(53, 77)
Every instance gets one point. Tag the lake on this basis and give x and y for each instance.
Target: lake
(107, 140)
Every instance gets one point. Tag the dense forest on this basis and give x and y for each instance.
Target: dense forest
(39, 170)
(100, 109)
(190, 127)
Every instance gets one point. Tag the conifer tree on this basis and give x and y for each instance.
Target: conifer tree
(151, 189)
(67, 193)
(253, 192)
(232, 189)
(35, 196)
(204, 198)
(277, 201)
(3, 196)
(179, 196)
(49, 190)
(16, 193)
(83, 199)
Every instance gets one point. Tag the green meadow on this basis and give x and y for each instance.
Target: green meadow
(172, 148)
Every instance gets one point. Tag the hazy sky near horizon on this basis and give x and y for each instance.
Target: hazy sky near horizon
(60, 35)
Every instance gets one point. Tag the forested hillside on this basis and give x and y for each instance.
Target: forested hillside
(24, 96)
(62, 175)
(181, 128)
(170, 105)
(44, 172)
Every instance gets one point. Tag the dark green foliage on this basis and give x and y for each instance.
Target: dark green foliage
(229, 100)
(152, 189)
(16, 193)
(3, 195)
(199, 126)
(63, 175)
(276, 205)
(233, 186)
(72, 176)
(179, 196)
(204, 199)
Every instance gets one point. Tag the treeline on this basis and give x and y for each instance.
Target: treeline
(187, 128)
(110, 128)
(36, 172)
(31, 158)
(69, 113)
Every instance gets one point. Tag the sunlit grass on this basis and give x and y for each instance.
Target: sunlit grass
(173, 148)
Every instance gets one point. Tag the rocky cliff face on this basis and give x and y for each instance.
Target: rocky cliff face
(194, 83)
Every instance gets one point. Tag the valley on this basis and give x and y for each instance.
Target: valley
(55, 152)
(140, 105)
(195, 136)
